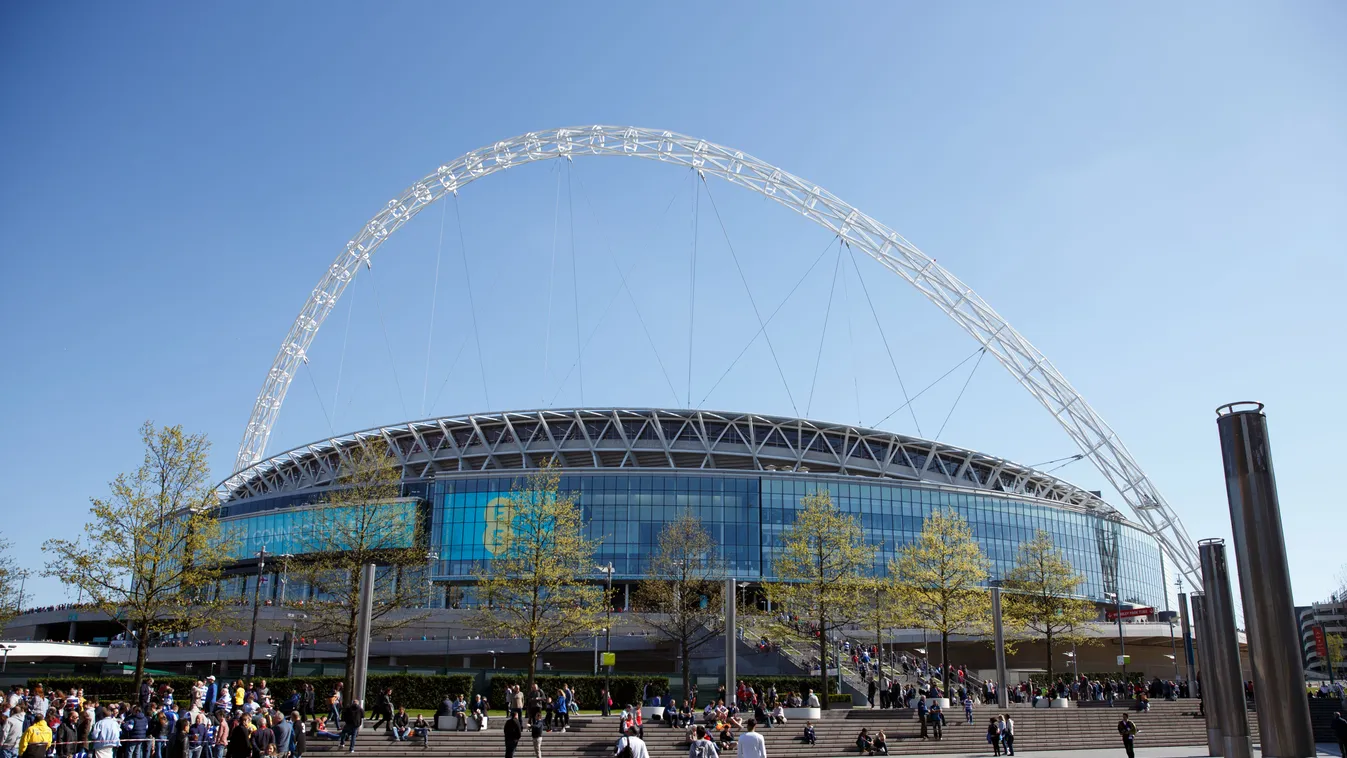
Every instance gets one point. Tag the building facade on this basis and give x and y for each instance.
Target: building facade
(742, 475)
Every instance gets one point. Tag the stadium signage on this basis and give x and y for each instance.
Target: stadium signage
(1128, 613)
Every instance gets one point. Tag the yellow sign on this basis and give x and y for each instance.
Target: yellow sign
(498, 516)
(607, 659)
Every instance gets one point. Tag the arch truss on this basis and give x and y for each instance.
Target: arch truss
(1026, 363)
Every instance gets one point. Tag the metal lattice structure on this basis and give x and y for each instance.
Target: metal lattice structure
(1026, 363)
(591, 439)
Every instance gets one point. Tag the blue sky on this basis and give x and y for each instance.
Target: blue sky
(1153, 194)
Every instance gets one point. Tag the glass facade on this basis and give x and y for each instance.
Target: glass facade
(294, 530)
(747, 514)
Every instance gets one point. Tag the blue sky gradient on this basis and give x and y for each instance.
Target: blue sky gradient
(1153, 194)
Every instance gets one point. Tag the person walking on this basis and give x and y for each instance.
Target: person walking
(350, 724)
(994, 736)
(1340, 732)
(536, 730)
(1128, 731)
(1008, 733)
(383, 712)
(513, 732)
(751, 744)
(921, 715)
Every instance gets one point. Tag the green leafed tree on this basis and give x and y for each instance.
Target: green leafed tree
(821, 575)
(539, 584)
(1041, 597)
(364, 519)
(937, 582)
(681, 597)
(151, 553)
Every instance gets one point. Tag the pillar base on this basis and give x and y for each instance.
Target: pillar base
(1213, 741)
(1238, 747)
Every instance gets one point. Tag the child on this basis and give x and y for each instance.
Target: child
(809, 735)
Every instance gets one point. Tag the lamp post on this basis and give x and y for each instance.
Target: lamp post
(285, 575)
(295, 618)
(607, 571)
(431, 557)
(1075, 663)
(1122, 642)
(257, 596)
(493, 658)
(6, 649)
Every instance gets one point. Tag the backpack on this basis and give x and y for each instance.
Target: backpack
(700, 749)
(626, 751)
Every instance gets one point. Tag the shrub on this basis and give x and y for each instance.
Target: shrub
(410, 690)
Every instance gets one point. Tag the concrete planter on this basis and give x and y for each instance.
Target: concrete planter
(450, 724)
(804, 714)
(652, 713)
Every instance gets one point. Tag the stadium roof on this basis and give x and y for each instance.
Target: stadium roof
(655, 439)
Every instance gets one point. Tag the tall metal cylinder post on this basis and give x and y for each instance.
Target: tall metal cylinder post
(1265, 583)
(1226, 691)
(363, 621)
(1186, 627)
(731, 636)
(1002, 692)
(1209, 709)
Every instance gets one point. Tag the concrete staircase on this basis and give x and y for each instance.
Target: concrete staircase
(1167, 724)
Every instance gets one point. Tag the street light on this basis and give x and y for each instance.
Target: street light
(1075, 664)
(1122, 642)
(607, 571)
(493, 658)
(6, 649)
(285, 575)
(295, 618)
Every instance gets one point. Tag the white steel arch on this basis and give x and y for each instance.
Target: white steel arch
(1030, 367)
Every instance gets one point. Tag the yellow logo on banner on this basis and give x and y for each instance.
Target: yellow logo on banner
(498, 517)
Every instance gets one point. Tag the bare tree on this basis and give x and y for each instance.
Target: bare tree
(681, 594)
(364, 519)
(821, 575)
(535, 587)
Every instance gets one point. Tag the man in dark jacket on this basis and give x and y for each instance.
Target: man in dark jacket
(263, 739)
(350, 724)
(384, 711)
(1340, 731)
(298, 735)
(513, 733)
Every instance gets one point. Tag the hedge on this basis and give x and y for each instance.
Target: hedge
(625, 689)
(1041, 680)
(410, 690)
(784, 684)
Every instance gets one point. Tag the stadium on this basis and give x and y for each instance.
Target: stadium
(742, 475)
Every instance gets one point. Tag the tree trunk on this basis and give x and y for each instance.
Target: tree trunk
(349, 678)
(944, 660)
(687, 672)
(1048, 641)
(142, 649)
(533, 665)
(823, 665)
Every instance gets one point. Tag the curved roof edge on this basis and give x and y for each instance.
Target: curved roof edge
(656, 438)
